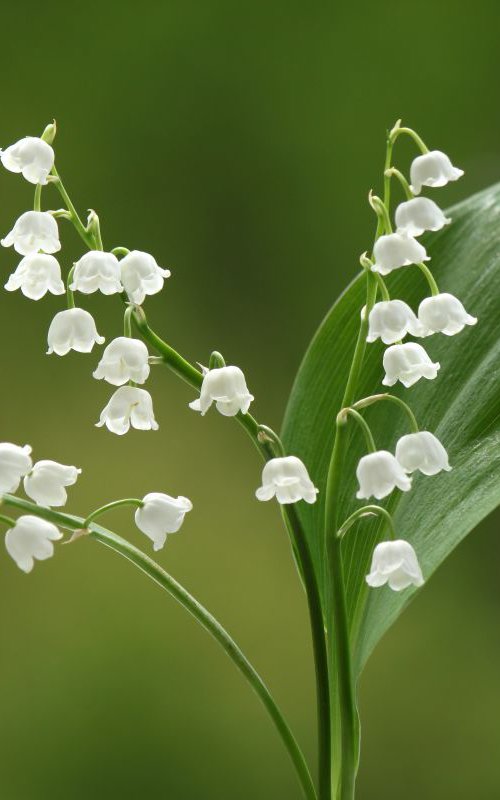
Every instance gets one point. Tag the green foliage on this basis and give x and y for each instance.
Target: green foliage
(462, 407)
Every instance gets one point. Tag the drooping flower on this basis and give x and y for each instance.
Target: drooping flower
(34, 231)
(46, 482)
(227, 388)
(160, 515)
(432, 169)
(31, 538)
(15, 463)
(391, 320)
(124, 359)
(396, 564)
(97, 271)
(444, 313)
(36, 275)
(395, 250)
(141, 275)
(128, 406)
(72, 329)
(422, 451)
(408, 363)
(31, 156)
(418, 215)
(287, 479)
(378, 474)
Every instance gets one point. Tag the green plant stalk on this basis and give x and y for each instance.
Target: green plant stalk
(345, 742)
(190, 604)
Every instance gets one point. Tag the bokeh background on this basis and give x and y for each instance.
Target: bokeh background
(237, 142)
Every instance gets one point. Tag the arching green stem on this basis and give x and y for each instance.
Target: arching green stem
(351, 412)
(376, 398)
(127, 501)
(367, 511)
(429, 278)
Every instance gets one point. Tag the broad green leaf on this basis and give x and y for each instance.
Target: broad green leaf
(462, 407)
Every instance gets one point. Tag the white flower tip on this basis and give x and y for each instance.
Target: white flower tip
(196, 406)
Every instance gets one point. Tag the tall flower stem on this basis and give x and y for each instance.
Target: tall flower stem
(188, 602)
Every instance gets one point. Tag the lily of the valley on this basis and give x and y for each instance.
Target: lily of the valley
(396, 564)
(36, 275)
(46, 482)
(391, 320)
(141, 275)
(15, 463)
(72, 329)
(160, 515)
(31, 156)
(227, 388)
(418, 215)
(124, 359)
(378, 474)
(34, 231)
(444, 313)
(395, 250)
(129, 406)
(287, 479)
(408, 363)
(97, 271)
(432, 169)
(422, 451)
(29, 539)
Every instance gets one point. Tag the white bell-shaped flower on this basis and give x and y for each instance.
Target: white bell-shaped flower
(124, 359)
(432, 169)
(31, 156)
(72, 329)
(160, 515)
(422, 451)
(378, 474)
(34, 231)
(36, 275)
(287, 479)
(128, 406)
(418, 215)
(444, 313)
(391, 320)
(141, 275)
(46, 482)
(396, 250)
(97, 271)
(15, 463)
(31, 538)
(227, 388)
(408, 363)
(396, 564)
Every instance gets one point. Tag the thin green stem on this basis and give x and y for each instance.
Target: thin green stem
(70, 297)
(401, 178)
(7, 520)
(413, 134)
(384, 291)
(266, 434)
(429, 278)
(382, 212)
(37, 202)
(351, 412)
(75, 219)
(367, 511)
(376, 398)
(202, 616)
(127, 501)
(127, 321)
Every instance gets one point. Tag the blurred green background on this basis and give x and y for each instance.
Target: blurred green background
(237, 142)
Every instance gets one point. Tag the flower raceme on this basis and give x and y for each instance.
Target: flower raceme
(396, 564)
(15, 463)
(31, 156)
(124, 359)
(129, 406)
(408, 363)
(46, 483)
(29, 539)
(287, 479)
(227, 388)
(97, 271)
(432, 169)
(378, 474)
(72, 329)
(34, 231)
(160, 515)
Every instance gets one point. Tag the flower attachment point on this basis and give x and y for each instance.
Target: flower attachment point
(97, 271)
(34, 231)
(378, 474)
(46, 482)
(432, 169)
(287, 479)
(15, 463)
(396, 564)
(36, 275)
(124, 359)
(141, 275)
(418, 215)
(408, 363)
(129, 406)
(422, 451)
(444, 313)
(160, 515)
(396, 250)
(32, 156)
(29, 539)
(227, 388)
(391, 320)
(72, 329)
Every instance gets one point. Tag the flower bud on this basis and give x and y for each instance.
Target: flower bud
(391, 320)
(396, 564)
(36, 275)
(49, 133)
(123, 360)
(72, 329)
(141, 275)
(408, 363)
(46, 482)
(287, 479)
(444, 313)
(378, 474)
(396, 250)
(227, 388)
(31, 538)
(34, 231)
(422, 451)
(31, 156)
(15, 463)
(128, 406)
(97, 271)
(418, 215)
(432, 169)
(160, 515)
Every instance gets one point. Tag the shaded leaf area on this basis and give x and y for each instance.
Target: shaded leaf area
(462, 407)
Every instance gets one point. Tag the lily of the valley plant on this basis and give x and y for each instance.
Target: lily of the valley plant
(385, 468)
